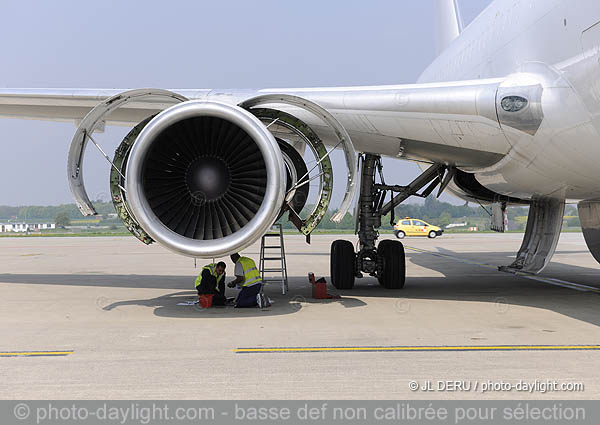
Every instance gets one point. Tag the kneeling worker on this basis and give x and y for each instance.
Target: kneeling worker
(248, 278)
(212, 281)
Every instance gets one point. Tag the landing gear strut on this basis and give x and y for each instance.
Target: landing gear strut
(385, 261)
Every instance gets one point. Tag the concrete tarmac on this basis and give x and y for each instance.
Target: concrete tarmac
(112, 302)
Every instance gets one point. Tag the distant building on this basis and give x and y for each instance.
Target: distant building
(25, 227)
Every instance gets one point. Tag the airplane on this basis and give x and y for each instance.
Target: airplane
(507, 114)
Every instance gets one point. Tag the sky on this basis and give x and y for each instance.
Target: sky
(194, 44)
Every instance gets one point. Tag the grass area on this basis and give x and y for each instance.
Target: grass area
(322, 231)
(125, 233)
(286, 232)
(521, 219)
(85, 221)
(63, 234)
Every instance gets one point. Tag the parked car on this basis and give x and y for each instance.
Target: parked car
(414, 227)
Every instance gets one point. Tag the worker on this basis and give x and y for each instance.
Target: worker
(248, 278)
(212, 281)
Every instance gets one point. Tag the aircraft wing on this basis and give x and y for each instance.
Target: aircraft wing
(453, 122)
(74, 104)
(457, 125)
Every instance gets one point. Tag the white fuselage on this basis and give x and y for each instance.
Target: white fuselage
(559, 38)
(554, 43)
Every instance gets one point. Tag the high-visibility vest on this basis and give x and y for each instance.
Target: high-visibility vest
(212, 268)
(251, 273)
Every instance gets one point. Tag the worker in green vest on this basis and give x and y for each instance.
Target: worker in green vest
(247, 277)
(212, 281)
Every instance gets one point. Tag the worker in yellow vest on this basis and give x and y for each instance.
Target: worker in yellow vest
(212, 281)
(247, 277)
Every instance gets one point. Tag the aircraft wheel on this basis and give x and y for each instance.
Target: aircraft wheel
(400, 234)
(342, 261)
(432, 235)
(394, 264)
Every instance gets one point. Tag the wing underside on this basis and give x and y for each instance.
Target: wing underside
(452, 122)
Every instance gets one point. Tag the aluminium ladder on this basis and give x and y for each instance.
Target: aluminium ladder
(272, 258)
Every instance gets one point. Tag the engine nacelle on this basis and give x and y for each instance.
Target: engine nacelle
(205, 178)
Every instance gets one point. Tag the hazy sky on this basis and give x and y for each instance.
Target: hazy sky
(193, 44)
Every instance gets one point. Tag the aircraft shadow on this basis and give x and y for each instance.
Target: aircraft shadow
(166, 305)
(471, 282)
(454, 281)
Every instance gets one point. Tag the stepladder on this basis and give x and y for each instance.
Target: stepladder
(273, 267)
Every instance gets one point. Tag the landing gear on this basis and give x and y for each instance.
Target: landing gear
(342, 260)
(386, 260)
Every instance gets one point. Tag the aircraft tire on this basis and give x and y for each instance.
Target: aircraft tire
(342, 261)
(394, 264)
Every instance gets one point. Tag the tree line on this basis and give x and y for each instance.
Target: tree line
(37, 212)
(432, 210)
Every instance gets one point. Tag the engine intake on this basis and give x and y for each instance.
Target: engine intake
(205, 178)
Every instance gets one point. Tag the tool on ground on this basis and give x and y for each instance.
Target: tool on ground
(206, 300)
(319, 288)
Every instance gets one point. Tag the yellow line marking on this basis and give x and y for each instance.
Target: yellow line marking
(421, 348)
(36, 353)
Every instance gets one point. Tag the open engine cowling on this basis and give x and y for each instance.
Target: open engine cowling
(205, 178)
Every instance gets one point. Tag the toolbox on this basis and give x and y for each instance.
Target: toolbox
(319, 288)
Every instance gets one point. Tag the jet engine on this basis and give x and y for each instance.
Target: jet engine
(206, 178)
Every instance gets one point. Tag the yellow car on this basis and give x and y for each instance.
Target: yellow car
(412, 227)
